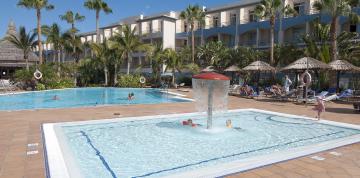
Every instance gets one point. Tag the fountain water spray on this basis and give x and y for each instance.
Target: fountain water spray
(211, 93)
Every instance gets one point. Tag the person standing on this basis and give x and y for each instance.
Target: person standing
(287, 84)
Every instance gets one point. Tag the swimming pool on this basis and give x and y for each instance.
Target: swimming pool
(159, 146)
(80, 97)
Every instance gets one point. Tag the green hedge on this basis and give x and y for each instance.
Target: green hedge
(129, 81)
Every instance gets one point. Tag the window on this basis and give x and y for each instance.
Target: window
(252, 16)
(215, 21)
(233, 19)
(299, 8)
(353, 28)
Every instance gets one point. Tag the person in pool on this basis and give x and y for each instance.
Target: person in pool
(189, 122)
(228, 124)
(55, 97)
(131, 96)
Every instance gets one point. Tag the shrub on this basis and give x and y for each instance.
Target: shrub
(40, 86)
(186, 79)
(129, 81)
(64, 83)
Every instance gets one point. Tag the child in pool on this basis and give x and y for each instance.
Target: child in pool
(228, 124)
(189, 122)
(320, 107)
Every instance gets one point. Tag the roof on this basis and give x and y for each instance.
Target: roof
(306, 63)
(342, 65)
(232, 5)
(259, 66)
(10, 55)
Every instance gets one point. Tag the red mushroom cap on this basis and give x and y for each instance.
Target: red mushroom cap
(211, 76)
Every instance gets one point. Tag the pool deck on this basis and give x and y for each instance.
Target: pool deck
(20, 128)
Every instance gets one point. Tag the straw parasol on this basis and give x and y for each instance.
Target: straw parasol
(209, 69)
(232, 68)
(259, 66)
(306, 63)
(342, 65)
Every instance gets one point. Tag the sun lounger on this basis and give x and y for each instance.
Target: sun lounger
(234, 90)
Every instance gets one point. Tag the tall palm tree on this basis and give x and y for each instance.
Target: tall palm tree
(71, 18)
(98, 6)
(335, 9)
(157, 61)
(101, 53)
(38, 5)
(24, 41)
(270, 9)
(127, 42)
(173, 62)
(193, 15)
(54, 37)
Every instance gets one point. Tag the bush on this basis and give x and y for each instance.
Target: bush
(129, 81)
(40, 86)
(64, 83)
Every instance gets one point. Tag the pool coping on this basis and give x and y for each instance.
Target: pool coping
(173, 94)
(56, 165)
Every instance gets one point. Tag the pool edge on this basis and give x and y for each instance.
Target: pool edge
(235, 166)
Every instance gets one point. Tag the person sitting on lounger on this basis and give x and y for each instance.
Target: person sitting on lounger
(276, 89)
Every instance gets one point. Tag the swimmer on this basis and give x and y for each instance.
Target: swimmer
(131, 96)
(55, 98)
(228, 123)
(189, 122)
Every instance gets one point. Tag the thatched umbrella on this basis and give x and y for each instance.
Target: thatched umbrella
(209, 69)
(306, 63)
(259, 66)
(342, 65)
(232, 69)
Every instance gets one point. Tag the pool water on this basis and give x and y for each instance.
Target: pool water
(80, 97)
(163, 146)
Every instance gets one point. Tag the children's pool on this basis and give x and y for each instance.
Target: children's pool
(160, 146)
(80, 97)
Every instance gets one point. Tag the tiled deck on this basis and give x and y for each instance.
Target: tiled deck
(18, 129)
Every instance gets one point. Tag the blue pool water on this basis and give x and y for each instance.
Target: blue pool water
(80, 97)
(162, 146)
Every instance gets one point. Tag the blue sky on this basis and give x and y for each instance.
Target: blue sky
(121, 9)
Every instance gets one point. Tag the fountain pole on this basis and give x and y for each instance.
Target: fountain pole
(210, 105)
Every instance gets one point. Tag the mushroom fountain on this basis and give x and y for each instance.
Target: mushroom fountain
(211, 94)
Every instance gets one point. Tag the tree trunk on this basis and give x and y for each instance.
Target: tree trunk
(173, 77)
(38, 14)
(272, 23)
(128, 64)
(97, 27)
(115, 74)
(333, 36)
(106, 75)
(192, 43)
(73, 37)
(58, 62)
(27, 62)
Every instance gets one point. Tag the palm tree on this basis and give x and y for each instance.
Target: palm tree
(172, 61)
(98, 6)
(157, 61)
(102, 53)
(335, 9)
(38, 5)
(127, 42)
(71, 18)
(193, 15)
(270, 9)
(54, 36)
(24, 41)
